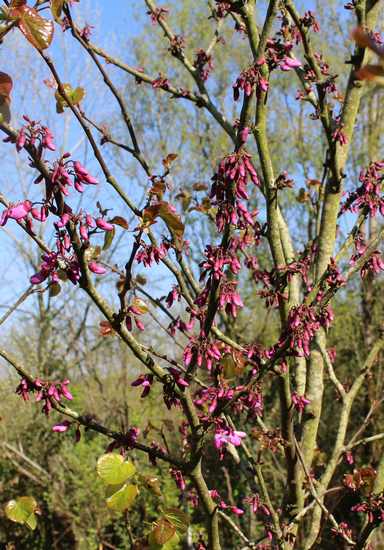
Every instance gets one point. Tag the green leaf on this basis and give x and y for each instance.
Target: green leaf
(37, 30)
(123, 499)
(163, 531)
(108, 238)
(31, 521)
(74, 95)
(22, 510)
(113, 470)
(178, 518)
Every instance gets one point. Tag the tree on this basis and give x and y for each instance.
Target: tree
(270, 353)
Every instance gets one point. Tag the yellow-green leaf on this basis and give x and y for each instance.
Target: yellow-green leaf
(113, 470)
(31, 521)
(140, 305)
(57, 8)
(108, 238)
(123, 499)
(22, 510)
(74, 95)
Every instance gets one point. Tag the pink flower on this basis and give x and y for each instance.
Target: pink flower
(17, 212)
(144, 380)
(97, 268)
(63, 427)
(223, 437)
(236, 510)
(104, 225)
(299, 401)
(289, 63)
(47, 139)
(63, 388)
(20, 140)
(82, 174)
(244, 134)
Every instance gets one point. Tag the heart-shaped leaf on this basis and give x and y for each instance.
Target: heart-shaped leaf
(171, 544)
(37, 30)
(22, 510)
(123, 499)
(163, 531)
(113, 470)
(167, 213)
(178, 518)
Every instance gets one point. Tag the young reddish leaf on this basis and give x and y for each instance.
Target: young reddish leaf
(105, 328)
(158, 189)
(5, 97)
(5, 85)
(199, 186)
(169, 159)
(37, 30)
(120, 221)
(163, 531)
(370, 72)
(54, 290)
(364, 40)
(165, 211)
(57, 8)
(17, 3)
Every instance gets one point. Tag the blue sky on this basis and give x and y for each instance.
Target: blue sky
(113, 20)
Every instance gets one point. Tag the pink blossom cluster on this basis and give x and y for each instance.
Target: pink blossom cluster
(46, 391)
(369, 195)
(203, 63)
(230, 186)
(375, 263)
(302, 324)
